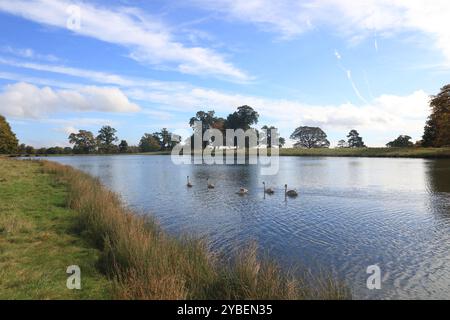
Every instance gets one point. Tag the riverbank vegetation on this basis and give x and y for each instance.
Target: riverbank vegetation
(54, 216)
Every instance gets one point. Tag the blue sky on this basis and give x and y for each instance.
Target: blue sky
(144, 65)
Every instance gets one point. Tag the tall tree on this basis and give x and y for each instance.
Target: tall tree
(8, 140)
(148, 143)
(354, 140)
(106, 138)
(430, 132)
(164, 138)
(83, 141)
(310, 137)
(272, 132)
(123, 146)
(243, 118)
(207, 118)
(403, 141)
(437, 129)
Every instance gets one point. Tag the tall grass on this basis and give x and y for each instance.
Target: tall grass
(145, 263)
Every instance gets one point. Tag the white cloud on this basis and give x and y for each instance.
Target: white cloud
(150, 41)
(28, 53)
(387, 114)
(90, 75)
(29, 101)
(384, 117)
(354, 19)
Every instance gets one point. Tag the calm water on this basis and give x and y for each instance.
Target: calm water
(351, 213)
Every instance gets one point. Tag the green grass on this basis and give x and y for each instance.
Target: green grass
(370, 152)
(37, 241)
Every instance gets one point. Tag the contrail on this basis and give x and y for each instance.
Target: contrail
(349, 77)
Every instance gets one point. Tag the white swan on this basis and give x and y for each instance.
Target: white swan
(290, 193)
(242, 191)
(268, 190)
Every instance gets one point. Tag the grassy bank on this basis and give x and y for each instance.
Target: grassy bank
(37, 238)
(370, 152)
(53, 216)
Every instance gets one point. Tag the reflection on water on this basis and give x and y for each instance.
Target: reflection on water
(351, 213)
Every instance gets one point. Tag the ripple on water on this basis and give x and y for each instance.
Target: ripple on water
(350, 213)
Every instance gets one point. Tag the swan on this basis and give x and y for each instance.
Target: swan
(210, 185)
(242, 191)
(290, 193)
(268, 190)
(189, 184)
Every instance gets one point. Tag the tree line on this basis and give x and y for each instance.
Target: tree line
(436, 134)
(84, 142)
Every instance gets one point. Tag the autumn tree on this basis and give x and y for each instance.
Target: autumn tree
(8, 140)
(310, 137)
(437, 128)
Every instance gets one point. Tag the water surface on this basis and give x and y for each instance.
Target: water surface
(351, 213)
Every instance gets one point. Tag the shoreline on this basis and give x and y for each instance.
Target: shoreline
(134, 258)
(414, 153)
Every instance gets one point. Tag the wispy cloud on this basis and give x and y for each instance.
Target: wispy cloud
(149, 40)
(355, 20)
(28, 53)
(100, 77)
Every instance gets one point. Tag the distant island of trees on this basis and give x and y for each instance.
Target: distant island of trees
(436, 134)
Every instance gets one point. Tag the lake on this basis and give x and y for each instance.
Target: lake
(350, 213)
